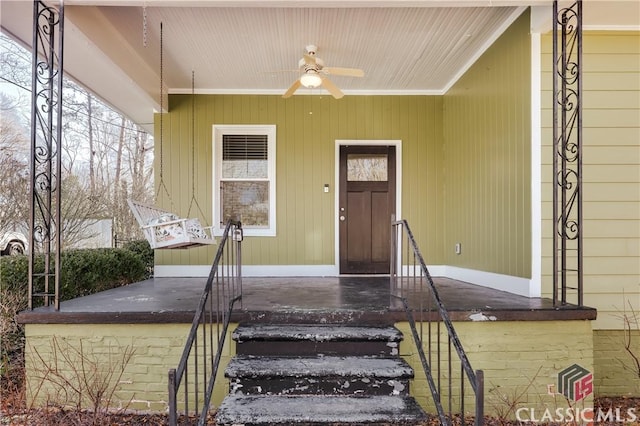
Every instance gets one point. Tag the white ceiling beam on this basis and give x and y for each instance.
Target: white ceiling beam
(134, 91)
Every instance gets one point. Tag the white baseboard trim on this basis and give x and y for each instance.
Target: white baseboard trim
(186, 271)
(508, 283)
(437, 270)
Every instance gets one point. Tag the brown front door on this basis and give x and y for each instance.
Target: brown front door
(367, 200)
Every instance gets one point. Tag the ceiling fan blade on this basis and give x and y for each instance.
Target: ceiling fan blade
(351, 72)
(332, 88)
(296, 84)
(309, 59)
(275, 72)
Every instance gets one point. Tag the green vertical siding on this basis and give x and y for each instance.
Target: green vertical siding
(487, 159)
(307, 128)
(611, 173)
(466, 172)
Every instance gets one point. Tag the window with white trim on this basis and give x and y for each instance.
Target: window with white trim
(244, 159)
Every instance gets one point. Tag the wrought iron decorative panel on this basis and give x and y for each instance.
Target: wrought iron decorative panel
(46, 139)
(567, 154)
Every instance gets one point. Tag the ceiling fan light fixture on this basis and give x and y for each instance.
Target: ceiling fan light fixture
(310, 80)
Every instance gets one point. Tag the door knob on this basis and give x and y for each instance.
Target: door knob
(342, 218)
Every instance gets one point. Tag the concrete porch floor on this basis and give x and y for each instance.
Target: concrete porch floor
(344, 299)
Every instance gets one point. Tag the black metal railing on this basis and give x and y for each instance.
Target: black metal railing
(446, 366)
(191, 384)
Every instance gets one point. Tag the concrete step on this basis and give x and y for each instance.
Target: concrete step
(313, 339)
(319, 410)
(320, 375)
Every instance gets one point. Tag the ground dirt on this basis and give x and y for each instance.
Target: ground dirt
(12, 415)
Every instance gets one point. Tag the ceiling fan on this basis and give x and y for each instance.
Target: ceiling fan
(314, 74)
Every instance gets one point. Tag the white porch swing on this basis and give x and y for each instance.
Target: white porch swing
(164, 229)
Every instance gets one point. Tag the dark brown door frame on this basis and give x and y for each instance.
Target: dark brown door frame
(398, 188)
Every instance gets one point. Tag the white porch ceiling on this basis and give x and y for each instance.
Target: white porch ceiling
(248, 46)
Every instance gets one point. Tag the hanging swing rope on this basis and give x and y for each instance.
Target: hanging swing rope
(193, 151)
(162, 228)
(161, 184)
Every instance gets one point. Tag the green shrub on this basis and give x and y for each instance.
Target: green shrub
(14, 272)
(144, 251)
(92, 270)
(83, 272)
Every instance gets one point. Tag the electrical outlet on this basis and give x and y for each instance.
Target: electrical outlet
(458, 248)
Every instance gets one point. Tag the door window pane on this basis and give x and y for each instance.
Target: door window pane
(367, 168)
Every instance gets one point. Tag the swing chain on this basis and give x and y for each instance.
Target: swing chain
(144, 24)
(193, 133)
(193, 150)
(161, 99)
(162, 185)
